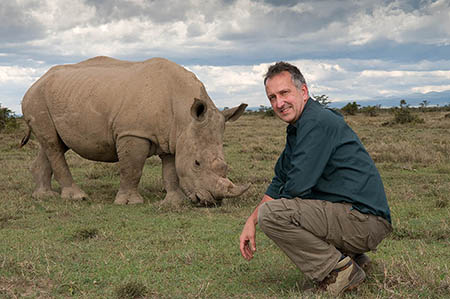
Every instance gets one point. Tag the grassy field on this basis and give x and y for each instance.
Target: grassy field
(56, 248)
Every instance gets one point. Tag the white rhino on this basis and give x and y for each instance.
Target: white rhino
(111, 110)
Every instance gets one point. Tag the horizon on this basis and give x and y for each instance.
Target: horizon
(361, 51)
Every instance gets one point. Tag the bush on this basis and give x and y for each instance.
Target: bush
(266, 111)
(7, 119)
(403, 116)
(350, 108)
(371, 110)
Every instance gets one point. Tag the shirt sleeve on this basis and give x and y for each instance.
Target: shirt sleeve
(276, 186)
(310, 155)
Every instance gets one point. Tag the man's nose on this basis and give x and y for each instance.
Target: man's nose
(279, 102)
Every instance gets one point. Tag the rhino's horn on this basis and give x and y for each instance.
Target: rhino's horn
(226, 188)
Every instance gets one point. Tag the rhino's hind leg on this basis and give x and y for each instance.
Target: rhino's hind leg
(174, 196)
(132, 152)
(69, 190)
(42, 174)
(51, 159)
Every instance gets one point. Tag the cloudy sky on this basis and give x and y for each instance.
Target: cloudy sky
(348, 50)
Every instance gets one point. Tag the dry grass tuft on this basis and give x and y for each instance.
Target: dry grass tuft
(131, 290)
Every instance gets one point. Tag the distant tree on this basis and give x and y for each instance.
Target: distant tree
(7, 118)
(424, 104)
(403, 114)
(350, 108)
(322, 99)
(403, 104)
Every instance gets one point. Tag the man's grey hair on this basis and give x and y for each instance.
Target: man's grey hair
(279, 67)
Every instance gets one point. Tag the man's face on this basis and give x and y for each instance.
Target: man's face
(287, 101)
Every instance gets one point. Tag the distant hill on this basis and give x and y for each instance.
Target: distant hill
(414, 99)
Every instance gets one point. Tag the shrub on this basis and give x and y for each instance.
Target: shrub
(7, 119)
(403, 116)
(350, 108)
(371, 110)
(266, 111)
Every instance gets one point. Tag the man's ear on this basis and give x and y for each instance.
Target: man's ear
(305, 92)
(234, 113)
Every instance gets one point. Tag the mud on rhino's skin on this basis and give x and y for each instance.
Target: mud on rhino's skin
(118, 111)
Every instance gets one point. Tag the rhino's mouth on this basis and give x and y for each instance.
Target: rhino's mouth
(203, 198)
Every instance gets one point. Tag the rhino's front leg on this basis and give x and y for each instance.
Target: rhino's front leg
(132, 153)
(174, 196)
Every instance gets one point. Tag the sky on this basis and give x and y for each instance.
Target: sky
(357, 50)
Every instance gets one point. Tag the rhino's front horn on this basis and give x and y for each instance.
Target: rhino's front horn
(225, 188)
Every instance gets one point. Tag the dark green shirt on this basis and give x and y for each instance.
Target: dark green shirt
(324, 159)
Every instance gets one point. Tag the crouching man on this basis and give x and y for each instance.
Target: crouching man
(330, 206)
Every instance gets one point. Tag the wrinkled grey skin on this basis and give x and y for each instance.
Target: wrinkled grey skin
(117, 111)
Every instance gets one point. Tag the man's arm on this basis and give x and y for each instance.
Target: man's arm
(247, 243)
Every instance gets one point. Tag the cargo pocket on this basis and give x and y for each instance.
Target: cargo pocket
(356, 237)
(356, 215)
(356, 244)
(277, 212)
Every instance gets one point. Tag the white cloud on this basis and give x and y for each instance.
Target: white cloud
(17, 75)
(430, 88)
(430, 24)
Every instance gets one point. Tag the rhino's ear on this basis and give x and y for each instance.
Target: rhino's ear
(198, 110)
(234, 113)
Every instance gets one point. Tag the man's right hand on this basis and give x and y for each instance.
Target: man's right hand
(247, 243)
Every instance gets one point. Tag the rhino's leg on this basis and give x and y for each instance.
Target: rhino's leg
(132, 153)
(42, 174)
(174, 196)
(55, 154)
(53, 149)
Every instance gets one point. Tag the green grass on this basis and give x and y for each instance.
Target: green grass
(54, 248)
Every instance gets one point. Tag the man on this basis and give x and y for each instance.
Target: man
(331, 207)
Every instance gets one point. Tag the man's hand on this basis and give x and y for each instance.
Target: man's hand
(247, 242)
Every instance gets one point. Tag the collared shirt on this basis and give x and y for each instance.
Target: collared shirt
(324, 159)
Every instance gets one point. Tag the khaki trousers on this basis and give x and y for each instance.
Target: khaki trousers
(315, 233)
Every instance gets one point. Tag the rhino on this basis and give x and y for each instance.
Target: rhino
(111, 110)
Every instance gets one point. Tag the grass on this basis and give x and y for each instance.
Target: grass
(54, 248)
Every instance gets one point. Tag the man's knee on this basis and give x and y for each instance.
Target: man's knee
(274, 214)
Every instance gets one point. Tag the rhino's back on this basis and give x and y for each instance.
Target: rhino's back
(92, 102)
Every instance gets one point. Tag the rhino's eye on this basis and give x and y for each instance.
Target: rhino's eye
(197, 164)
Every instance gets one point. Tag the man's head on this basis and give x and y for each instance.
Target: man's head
(287, 91)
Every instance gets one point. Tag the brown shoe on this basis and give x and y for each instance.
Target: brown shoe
(346, 276)
(363, 261)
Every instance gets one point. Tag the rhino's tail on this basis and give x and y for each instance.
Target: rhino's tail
(25, 138)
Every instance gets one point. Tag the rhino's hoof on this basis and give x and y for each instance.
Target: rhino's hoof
(173, 199)
(128, 199)
(73, 193)
(44, 193)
